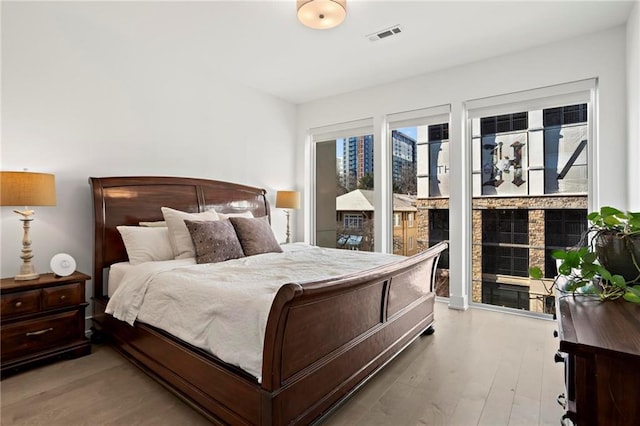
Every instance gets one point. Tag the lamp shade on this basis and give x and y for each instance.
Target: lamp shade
(27, 189)
(321, 14)
(288, 200)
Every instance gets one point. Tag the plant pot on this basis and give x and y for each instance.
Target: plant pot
(614, 253)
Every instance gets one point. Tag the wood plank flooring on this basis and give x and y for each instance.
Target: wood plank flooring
(479, 368)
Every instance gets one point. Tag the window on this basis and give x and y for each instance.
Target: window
(529, 187)
(419, 166)
(439, 160)
(565, 153)
(505, 261)
(563, 229)
(396, 220)
(502, 232)
(353, 221)
(343, 181)
(511, 296)
(505, 226)
(439, 231)
(504, 123)
(565, 115)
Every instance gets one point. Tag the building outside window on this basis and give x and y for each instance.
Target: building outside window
(529, 173)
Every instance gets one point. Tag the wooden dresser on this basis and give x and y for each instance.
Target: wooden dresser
(42, 319)
(600, 345)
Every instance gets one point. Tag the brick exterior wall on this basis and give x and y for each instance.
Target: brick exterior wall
(536, 206)
(424, 205)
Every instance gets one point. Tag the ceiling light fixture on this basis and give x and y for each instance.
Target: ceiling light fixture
(321, 14)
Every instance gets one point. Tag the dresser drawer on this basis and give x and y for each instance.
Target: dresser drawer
(29, 337)
(24, 302)
(61, 296)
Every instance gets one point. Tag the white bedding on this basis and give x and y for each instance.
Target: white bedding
(117, 271)
(223, 307)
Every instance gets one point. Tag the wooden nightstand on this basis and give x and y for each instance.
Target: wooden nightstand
(41, 320)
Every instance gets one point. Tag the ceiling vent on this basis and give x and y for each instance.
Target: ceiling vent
(386, 33)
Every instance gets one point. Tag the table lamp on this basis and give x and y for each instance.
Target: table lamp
(288, 200)
(27, 189)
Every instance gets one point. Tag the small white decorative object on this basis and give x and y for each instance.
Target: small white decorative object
(63, 264)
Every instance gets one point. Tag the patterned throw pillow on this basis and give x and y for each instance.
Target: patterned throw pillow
(214, 241)
(178, 234)
(255, 235)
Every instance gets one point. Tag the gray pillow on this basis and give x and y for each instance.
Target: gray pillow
(214, 241)
(255, 235)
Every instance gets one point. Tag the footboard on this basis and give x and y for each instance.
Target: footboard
(325, 338)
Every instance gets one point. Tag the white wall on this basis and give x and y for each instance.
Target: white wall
(600, 55)
(77, 104)
(633, 105)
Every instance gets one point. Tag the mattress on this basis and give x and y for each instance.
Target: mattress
(223, 307)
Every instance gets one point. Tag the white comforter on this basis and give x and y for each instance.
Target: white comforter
(223, 307)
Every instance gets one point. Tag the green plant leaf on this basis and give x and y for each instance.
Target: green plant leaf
(609, 211)
(634, 223)
(634, 289)
(612, 221)
(535, 273)
(618, 281)
(606, 275)
(559, 254)
(593, 216)
(589, 257)
(631, 297)
(564, 269)
(573, 259)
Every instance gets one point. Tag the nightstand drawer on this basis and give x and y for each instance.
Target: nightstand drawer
(29, 337)
(61, 296)
(24, 302)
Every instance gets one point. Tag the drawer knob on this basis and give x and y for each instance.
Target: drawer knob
(63, 297)
(18, 304)
(39, 332)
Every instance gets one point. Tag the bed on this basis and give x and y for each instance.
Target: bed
(323, 338)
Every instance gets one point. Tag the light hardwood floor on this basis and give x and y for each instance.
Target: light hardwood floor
(479, 368)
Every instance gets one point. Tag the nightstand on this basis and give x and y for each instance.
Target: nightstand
(41, 320)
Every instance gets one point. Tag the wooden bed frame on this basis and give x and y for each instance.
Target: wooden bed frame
(323, 339)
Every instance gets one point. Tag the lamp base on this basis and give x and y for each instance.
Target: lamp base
(26, 277)
(27, 271)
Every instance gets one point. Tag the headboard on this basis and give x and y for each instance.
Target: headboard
(131, 199)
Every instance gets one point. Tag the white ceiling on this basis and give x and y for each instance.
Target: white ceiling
(262, 45)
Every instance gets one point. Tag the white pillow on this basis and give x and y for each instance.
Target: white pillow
(179, 236)
(158, 223)
(146, 244)
(246, 214)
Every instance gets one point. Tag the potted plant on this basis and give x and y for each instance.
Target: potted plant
(609, 266)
